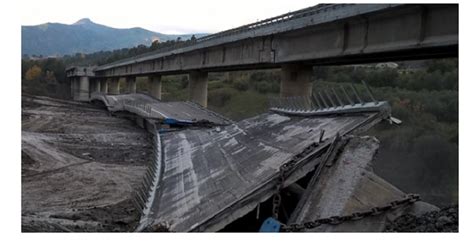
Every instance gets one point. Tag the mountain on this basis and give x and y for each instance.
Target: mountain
(85, 36)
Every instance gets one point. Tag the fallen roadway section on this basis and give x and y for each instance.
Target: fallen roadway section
(212, 177)
(148, 107)
(203, 178)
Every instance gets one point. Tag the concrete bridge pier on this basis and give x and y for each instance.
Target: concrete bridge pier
(154, 82)
(83, 89)
(73, 87)
(77, 88)
(113, 86)
(198, 87)
(296, 80)
(103, 86)
(131, 84)
(95, 85)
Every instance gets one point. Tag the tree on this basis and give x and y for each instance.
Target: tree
(33, 73)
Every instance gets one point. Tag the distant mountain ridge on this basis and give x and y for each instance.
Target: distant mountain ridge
(85, 36)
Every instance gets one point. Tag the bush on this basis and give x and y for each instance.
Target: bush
(241, 85)
(215, 85)
(219, 97)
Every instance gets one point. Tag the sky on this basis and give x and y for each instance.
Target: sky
(164, 16)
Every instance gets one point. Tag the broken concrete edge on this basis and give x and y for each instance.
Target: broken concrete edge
(318, 188)
(261, 193)
(329, 156)
(321, 181)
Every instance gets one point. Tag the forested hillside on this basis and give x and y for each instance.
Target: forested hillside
(85, 36)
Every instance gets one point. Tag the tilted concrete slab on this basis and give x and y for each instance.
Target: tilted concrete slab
(349, 186)
(211, 177)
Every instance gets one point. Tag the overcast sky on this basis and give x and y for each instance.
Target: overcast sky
(165, 16)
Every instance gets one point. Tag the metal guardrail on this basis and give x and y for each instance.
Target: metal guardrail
(329, 101)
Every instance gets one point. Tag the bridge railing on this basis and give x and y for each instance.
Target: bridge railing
(344, 99)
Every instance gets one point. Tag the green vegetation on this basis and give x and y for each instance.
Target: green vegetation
(46, 77)
(85, 36)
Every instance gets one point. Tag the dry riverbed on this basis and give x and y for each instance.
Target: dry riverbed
(79, 167)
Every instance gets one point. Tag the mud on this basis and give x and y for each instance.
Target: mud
(80, 166)
(445, 220)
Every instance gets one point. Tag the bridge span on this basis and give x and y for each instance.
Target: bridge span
(294, 42)
(323, 34)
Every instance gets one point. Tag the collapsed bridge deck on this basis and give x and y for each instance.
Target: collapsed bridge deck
(207, 178)
(208, 173)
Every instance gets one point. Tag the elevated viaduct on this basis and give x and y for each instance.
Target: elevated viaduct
(324, 34)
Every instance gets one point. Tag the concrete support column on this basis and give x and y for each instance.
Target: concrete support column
(97, 82)
(95, 85)
(154, 82)
(83, 88)
(113, 86)
(131, 84)
(121, 88)
(198, 87)
(296, 80)
(76, 88)
(72, 83)
(103, 86)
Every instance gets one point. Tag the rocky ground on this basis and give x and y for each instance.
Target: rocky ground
(80, 166)
(444, 220)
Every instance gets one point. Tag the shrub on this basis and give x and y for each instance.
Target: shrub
(241, 85)
(219, 97)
